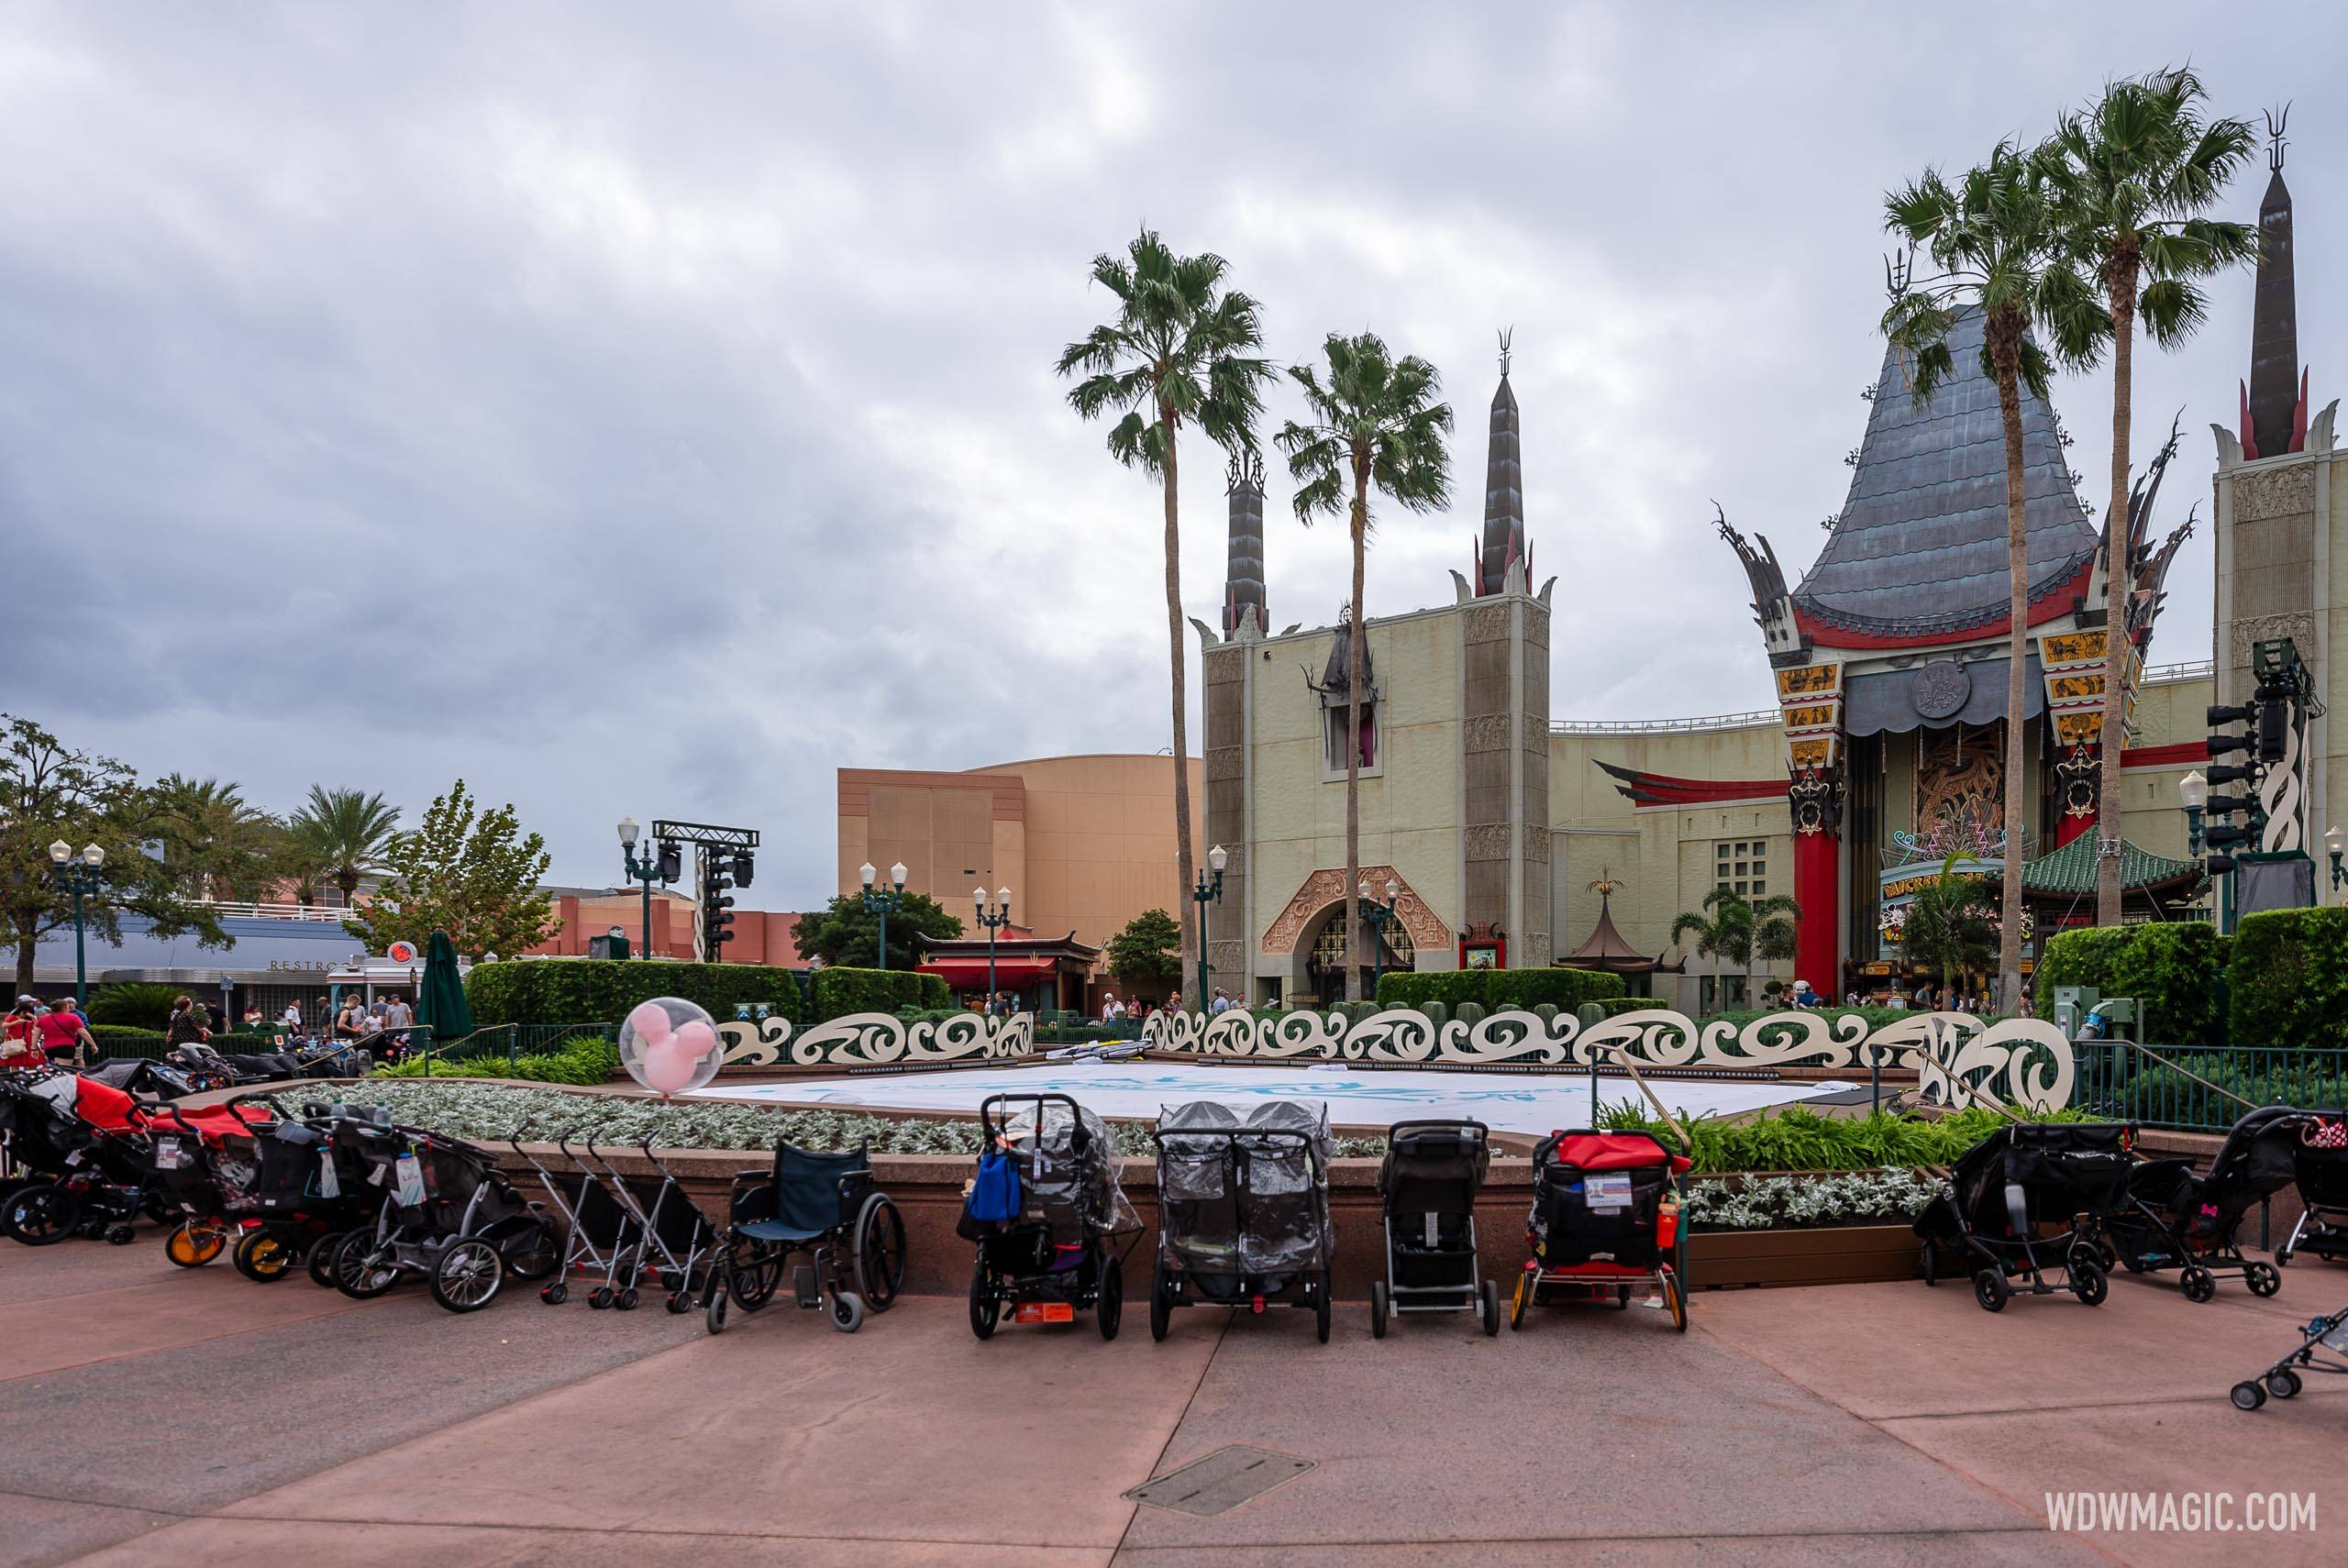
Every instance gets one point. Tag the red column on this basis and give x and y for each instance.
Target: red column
(1818, 889)
(2068, 827)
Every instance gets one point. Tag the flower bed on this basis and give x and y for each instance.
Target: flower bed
(1807, 1200)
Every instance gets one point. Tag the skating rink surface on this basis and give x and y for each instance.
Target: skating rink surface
(1534, 1103)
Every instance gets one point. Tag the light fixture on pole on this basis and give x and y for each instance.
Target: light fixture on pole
(2193, 791)
(1203, 895)
(1378, 914)
(646, 871)
(2333, 844)
(80, 879)
(994, 919)
(883, 901)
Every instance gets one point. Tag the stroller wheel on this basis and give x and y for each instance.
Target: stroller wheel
(1675, 1296)
(1517, 1303)
(2133, 1263)
(40, 1214)
(714, 1313)
(1990, 1289)
(1377, 1309)
(1161, 1302)
(2283, 1383)
(1929, 1265)
(1622, 1298)
(848, 1311)
(2199, 1284)
(1109, 1306)
(985, 1311)
(679, 1302)
(357, 1272)
(262, 1258)
(1490, 1299)
(2248, 1395)
(467, 1275)
(120, 1234)
(2283, 1258)
(2107, 1254)
(319, 1263)
(1320, 1309)
(191, 1245)
(2264, 1279)
(2089, 1283)
(602, 1296)
(527, 1247)
(626, 1300)
(554, 1295)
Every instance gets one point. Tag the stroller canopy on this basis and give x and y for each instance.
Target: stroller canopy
(1244, 1197)
(1069, 1165)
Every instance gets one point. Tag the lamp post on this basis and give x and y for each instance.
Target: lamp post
(994, 920)
(1203, 895)
(1378, 915)
(79, 878)
(2333, 845)
(883, 901)
(646, 871)
(2193, 790)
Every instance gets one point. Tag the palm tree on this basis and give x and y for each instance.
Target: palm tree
(222, 841)
(1376, 426)
(1993, 238)
(1776, 934)
(1724, 931)
(2131, 176)
(1180, 350)
(347, 834)
(1951, 924)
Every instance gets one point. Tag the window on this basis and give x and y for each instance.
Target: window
(1742, 866)
(1334, 737)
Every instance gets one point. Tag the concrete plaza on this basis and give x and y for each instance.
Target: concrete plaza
(154, 1415)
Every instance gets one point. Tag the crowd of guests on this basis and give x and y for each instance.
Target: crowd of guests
(34, 1032)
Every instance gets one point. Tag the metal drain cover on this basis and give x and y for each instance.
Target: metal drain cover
(1220, 1481)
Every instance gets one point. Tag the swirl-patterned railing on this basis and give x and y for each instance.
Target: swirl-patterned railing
(878, 1040)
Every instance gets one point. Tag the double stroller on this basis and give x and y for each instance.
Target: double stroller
(1243, 1210)
(1046, 1211)
(447, 1213)
(2028, 1201)
(2320, 1166)
(1605, 1221)
(76, 1159)
(1428, 1183)
(825, 1207)
(2169, 1217)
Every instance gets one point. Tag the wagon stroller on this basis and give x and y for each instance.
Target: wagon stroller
(447, 1213)
(1432, 1173)
(2319, 1165)
(2027, 1201)
(1605, 1221)
(2172, 1218)
(1047, 1211)
(1243, 1210)
(654, 1228)
(75, 1163)
(825, 1206)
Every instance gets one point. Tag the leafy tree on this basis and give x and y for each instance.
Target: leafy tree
(1723, 931)
(471, 872)
(1181, 351)
(1951, 924)
(2132, 175)
(50, 791)
(1775, 934)
(345, 835)
(1149, 952)
(844, 934)
(219, 843)
(1994, 238)
(1375, 426)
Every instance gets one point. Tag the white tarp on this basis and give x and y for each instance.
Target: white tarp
(1135, 1091)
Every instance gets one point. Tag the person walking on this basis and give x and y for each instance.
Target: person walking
(186, 1026)
(64, 1035)
(21, 1034)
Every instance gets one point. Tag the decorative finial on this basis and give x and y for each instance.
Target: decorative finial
(2277, 119)
(1606, 887)
(1244, 468)
(1506, 333)
(1898, 272)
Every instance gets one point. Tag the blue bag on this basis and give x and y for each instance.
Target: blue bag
(994, 1195)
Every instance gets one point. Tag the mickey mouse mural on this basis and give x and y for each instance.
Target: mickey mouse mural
(670, 1045)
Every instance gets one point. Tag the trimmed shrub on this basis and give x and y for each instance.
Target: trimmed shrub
(1615, 1006)
(2288, 978)
(840, 991)
(589, 1059)
(134, 1004)
(118, 1038)
(2174, 970)
(1561, 988)
(935, 994)
(599, 990)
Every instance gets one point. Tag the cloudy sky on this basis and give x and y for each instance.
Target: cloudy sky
(649, 409)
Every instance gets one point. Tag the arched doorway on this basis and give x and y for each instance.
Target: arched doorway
(1324, 951)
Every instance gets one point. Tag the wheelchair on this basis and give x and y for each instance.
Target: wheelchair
(824, 1207)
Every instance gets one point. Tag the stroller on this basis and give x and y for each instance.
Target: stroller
(2323, 1347)
(825, 1206)
(2172, 1218)
(76, 1159)
(2028, 1199)
(628, 1227)
(2320, 1164)
(1429, 1181)
(1045, 1212)
(1605, 1219)
(1243, 1210)
(447, 1213)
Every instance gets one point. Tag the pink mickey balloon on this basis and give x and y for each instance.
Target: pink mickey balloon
(669, 1066)
(698, 1038)
(651, 1021)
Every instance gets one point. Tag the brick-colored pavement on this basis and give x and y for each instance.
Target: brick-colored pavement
(159, 1415)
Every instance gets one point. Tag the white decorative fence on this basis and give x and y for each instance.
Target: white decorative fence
(875, 1039)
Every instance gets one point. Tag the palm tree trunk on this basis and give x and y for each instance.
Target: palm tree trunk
(2121, 287)
(1354, 957)
(27, 938)
(1182, 861)
(2006, 351)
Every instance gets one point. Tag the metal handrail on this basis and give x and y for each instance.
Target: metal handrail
(320, 914)
(1661, 726)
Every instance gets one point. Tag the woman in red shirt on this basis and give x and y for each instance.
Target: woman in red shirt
(64, 1036)
(20, 1036)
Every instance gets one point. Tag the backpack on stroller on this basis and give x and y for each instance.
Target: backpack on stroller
(2170, 1217)
(2030, 1198)
(1243, 1210)
(2320, 1166)
(447, 1213)
(76, 1158)
(1046, 1211)
(1605, 1220)
(1428, 1183)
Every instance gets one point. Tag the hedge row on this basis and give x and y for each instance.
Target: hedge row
(2288, 978)
(837, 992)
(598, 990)
(2176, 971)
(1495, 988)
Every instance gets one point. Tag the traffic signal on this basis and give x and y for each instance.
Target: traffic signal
(716, 907)
(672, 860)
(742, 867)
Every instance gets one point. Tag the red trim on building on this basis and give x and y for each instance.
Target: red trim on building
(2164, 755)
(2058, 598)
(1663, 790)
(2071, 827)
(1818, 889)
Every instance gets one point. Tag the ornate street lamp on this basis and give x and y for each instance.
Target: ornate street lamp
(1203, 895)
(81, 878)
(646, 871)
(883, 901)
(2193, 790)
(2333, 845)
(994, 919)
(1378, 915)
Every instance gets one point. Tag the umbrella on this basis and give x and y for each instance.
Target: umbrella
(440, 1000)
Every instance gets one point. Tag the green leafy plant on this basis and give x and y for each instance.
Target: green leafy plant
(346, 835)
(469, 872)
(596, 990)
(2175, 970)
(138, 1004)
(1149, 952)
(846, 935)
(589, 1059)
(2288, 978)
(1794, 1139)
(837, 992)
(1563, 989)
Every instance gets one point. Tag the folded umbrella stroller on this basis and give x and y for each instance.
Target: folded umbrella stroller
(1046, 1211)
(2320, 1166)
(2170, 1217)
(2323, 1347)
(1243, 1210)
(2028, 1201)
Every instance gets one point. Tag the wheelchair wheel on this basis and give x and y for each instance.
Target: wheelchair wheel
(41, 1213)
(714, 1315)
(1161, 1301)
(262, 1258)
(848, 1311)
(880, 1253)
(1109, 1306)
(467, 1275)
(986, 1310)
(752, 1271)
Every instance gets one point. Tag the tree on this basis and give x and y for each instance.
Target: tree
(345, 835)
(1149, 952)
(1775, 934)
(471, 872)
(2132, 174)
(1376, 426)
(844, 933)
(1951, 924)
(48, 793)
(1724, 931)
(1180, 351)
(218, 844)
(1993, 237)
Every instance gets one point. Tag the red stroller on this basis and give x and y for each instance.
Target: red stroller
(1605, 1219)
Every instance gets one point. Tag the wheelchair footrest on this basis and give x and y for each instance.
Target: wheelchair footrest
(803, 1286)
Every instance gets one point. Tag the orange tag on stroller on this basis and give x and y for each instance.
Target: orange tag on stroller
(1044, 1312)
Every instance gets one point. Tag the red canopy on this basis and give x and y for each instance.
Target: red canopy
(970, 974)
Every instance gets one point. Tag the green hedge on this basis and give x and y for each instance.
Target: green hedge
(1616, 1006)
(2174, 969)
(589, 1059)
(2288, 978)
(1495, 988)
(600, 990)
(839, 991)
(117, 1035)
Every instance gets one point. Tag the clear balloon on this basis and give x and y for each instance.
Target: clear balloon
(670, 1046)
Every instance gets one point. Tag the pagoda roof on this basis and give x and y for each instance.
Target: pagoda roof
(1918, 553)
(2069, 872)
(1609, 950)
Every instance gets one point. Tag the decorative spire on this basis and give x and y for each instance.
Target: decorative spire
(1244, 575)
(2275, 402)
(1503, 542)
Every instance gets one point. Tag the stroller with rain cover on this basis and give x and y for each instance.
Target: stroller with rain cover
(76, 1159)
(2170, 1217)
(1046, 1211)
(1429, 1180)
(2320, 1166)
(1605, 1220)
(447, 1213)
(1243, 1210)
(825, 1206)
(2030, 1198)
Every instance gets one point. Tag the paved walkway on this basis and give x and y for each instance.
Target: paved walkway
(152, 1415)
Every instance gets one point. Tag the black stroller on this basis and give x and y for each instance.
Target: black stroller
(2320, 1164)
(2323, 1347)
(825, 1206)
(2173, 1218)
(68, 1172)
(447, 1213)
(2030, 1198)
(1243, 1210)
(1046, 1211)
(1429, 1181)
